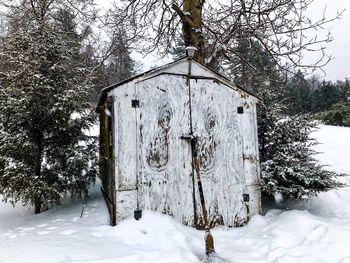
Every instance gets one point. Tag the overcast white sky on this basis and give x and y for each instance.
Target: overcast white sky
(339, 48)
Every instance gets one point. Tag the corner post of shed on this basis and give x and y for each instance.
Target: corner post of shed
(106, 158)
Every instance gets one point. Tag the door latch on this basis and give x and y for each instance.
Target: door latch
(187, 137)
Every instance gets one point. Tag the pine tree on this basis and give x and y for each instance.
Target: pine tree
(338, 115)
(288, 166)
(44, 110)
(326, 95)
(298, 94)
(120, 65)
(286, 156)
(98, 74)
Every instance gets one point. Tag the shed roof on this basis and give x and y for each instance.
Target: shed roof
(174, 67)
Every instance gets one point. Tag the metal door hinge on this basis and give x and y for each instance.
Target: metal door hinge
(246, 197)
(135, 103)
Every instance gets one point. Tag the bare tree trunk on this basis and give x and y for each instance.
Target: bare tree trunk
(280, 27)
(191, 17)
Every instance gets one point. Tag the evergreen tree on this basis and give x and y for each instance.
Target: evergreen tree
(98, 75)
(254, 69)
(120, 65)
(288, 166)
(44, 110)
(326, 95)
(338, 114)
(346, 90)
(298, 94)
(287, 163)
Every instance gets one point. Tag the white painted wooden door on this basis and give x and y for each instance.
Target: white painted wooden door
(216, 124)
(164, 160)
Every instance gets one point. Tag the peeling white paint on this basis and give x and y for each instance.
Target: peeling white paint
(153, 165)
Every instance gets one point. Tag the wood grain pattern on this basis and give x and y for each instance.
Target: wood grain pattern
(125, 138)
(216, 123)
(165, 160)
(153, 165)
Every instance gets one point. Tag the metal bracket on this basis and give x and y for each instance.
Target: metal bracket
(187, 137)
(135, 103)
(240, 110)
(137, 214)
(246, 197)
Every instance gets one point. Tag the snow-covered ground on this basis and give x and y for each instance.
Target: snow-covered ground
(319, 231)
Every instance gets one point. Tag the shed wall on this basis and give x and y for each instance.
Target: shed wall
(125, 150)
(153, 165)
(164, 163)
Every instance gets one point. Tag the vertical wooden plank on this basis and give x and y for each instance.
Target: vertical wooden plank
(215, 122)
(104, 149)
(251, 154)
(250, 147)
(254, 199)
(111, 160)
(103, 133)
(125, 142)
(106, 159)
(124, 150)
(164, 159)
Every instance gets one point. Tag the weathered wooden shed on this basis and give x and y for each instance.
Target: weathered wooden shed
(146, 159)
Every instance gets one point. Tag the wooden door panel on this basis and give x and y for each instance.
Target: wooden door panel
(125, 138)
(216, 125)
(250, 146)
(164, 160)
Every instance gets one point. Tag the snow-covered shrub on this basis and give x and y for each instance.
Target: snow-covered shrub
(288, 166)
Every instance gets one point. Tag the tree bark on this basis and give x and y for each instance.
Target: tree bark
(191, 17)
(37, 204)
(37, 198)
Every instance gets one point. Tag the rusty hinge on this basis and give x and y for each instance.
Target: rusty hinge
(240, 110)
(135, 103)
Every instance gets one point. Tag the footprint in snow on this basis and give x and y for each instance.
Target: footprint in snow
(317, 233)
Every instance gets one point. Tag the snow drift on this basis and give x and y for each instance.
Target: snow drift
(316, 231)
